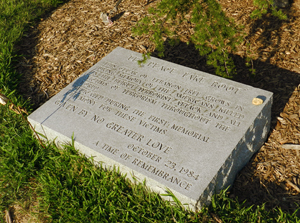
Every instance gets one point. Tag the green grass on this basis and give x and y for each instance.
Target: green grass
(66, 186)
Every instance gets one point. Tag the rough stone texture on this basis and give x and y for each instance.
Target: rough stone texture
(176, 127)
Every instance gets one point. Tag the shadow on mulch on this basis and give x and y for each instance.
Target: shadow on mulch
(26, 48)
(282, 83)
(269, 32)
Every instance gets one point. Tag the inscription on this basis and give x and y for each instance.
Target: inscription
(105, 108)
(125, 116)
(91, 86)
(225, 87)
(231, 113)
(144, 152)
(185, 113)
(190, 133)
(138, 112)
(67, 106)
(158, 145)
(104, 70)
(162, 174)
(84, 91)
(98, 81)
(186, 98)
(189, 106)
(235, 123)
(71, 107)
(83, 112)
(239, 108)
(125, 84)
(96, 96)
(125, 131)
(170, 96)
(154, 94)
(218, 101)
(109, 148)
(102, 75)
(189, 173)
(191, 92)
(215, 115)
(170, 164)
(128, 70)
(125, 156)
(206, 104)
(222, 127)
(160, 67)
(167, 83)
(86, 100)
(153, 65)
(152, 127)
(140, 96)
(117, 104)
(97, 119)
(194, 77)
(159, 121)
(129, 77)
(110, 65)
(162, 89)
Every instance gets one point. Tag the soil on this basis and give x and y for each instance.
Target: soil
(71, 39)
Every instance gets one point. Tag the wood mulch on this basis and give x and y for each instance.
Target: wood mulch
(72, 38)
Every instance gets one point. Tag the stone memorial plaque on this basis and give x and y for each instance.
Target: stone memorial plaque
(170, 125)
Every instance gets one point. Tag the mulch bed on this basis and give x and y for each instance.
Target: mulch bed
(73, 38)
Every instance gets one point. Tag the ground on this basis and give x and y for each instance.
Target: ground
(71, 39)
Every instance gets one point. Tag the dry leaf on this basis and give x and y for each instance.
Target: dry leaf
(3, 99)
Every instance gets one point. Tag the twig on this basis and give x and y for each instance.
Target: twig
(7, 217)
(215, 217)
(292, 185)
(225, 62)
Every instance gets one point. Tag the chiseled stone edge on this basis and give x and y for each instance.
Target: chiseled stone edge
(252, 141)
(109, 164)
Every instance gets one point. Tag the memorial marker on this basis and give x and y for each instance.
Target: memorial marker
(176, 127)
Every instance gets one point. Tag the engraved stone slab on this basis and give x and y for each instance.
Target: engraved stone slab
(176, 127)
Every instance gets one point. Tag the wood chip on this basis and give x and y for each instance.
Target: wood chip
(281, 120)
(291, 146)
